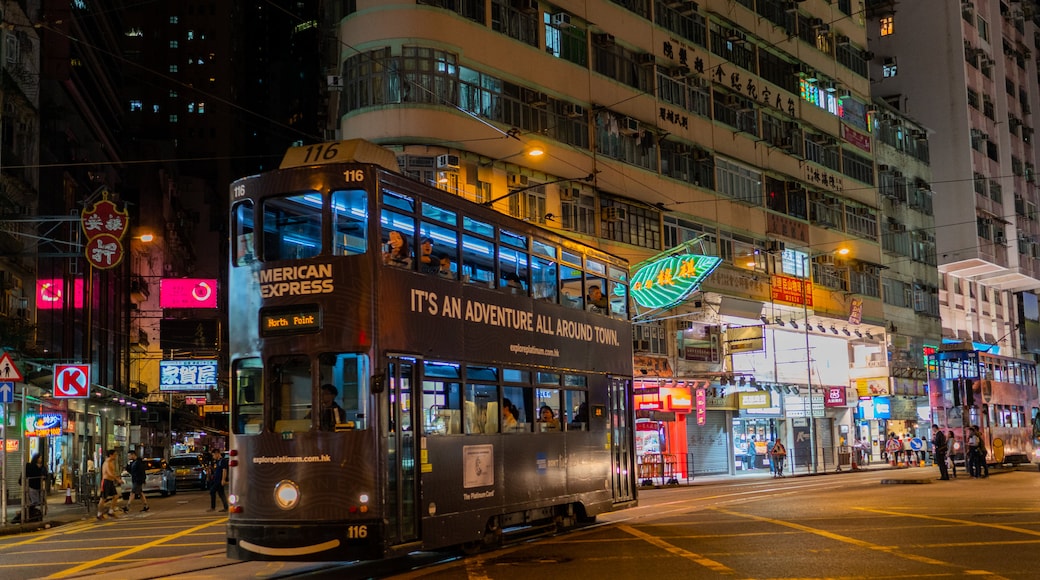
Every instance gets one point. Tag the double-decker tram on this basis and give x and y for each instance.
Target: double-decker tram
(412, 370)
(998, 394)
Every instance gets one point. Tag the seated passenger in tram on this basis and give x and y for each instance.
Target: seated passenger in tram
(396, 252)
(513, 283)
(427, 263)
(510, 416)
(547, 420)
(444, 268)
(597, 301)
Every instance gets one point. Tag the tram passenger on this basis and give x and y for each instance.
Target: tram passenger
(396, 252)
(510, 416)
(581, 418)
(444, 269)
(513, 283)
(548, 419)
(427, 263)
(597, 302)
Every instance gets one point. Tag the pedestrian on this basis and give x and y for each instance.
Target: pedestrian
(35, 473)
(971, 458)
(217, 480)
(109, 490)
(749, 453)
(939, 448)
(951, 441)
(779, 455)
(982, 464)
(138, 475)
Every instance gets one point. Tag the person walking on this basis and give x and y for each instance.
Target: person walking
(138, 475)
(951, 440)
(939, 449)
(217, 480)
(971, 457)
(893, 447)
(109, 494)
(982, 462)
(779, 456)
(750, 454)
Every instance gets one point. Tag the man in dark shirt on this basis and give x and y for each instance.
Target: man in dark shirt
(218, 479)
(138, 475)
(939, 448)
(34, 474)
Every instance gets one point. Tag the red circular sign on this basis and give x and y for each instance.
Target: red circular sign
(71, 381)
(104, 251)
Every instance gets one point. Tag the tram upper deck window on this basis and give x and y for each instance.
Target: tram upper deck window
(513, 270)
(397, 232)
(618, 293)
(349, 374)
(441, 399)
(478, 261)
(292, 226)
(291, 394)
(571, 287)
(430, 211)
(248, 407)
(349, 222)
(437, 243)
(245, 252)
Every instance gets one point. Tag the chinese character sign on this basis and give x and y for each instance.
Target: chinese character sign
(668, 281)
(187, 375)
(105, 225)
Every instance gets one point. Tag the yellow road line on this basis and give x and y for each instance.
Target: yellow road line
(954, 521)
(116, 556)
(38, 536)
(676, 550)
(892, 550)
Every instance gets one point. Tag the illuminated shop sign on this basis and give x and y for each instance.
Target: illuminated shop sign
(50, 293)
(44, 425)
(188, 293)
(187, 375)
(668, 281)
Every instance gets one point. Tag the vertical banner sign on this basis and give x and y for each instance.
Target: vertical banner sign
(105, 225)
(701, 402)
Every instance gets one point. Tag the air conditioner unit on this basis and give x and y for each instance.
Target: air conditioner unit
(447, 162)
(561, 19)
(647, 59)
(734, 101)
(516, 180)
(999, 237)
(841, 40)
(825, 260)
(678, 72)
(569, 194)
(614, 214)
(574, 111)
(603, 39)
(629, 126)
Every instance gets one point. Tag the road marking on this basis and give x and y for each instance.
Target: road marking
(892, 550)
(676, 550)
(134, 550)
(57, 531)
(954, 521)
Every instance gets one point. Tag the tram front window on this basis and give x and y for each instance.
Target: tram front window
(291, 394)
(348, 374)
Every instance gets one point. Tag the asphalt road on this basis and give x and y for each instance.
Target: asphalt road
(836, 526)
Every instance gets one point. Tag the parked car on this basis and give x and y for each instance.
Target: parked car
(190, 471)
(159, 478)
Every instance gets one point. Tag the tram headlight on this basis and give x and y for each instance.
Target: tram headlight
(286, 494)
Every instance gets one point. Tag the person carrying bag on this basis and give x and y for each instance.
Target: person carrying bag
(779, 454)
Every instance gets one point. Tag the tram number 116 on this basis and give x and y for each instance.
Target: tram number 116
(357, 532)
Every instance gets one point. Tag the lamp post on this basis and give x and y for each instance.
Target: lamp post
(807, 289)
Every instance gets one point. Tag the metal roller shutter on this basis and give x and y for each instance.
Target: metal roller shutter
(709, 444)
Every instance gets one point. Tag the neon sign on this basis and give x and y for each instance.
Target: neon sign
(44, 425)
(668, 281)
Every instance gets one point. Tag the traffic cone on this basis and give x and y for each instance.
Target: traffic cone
(68, 495)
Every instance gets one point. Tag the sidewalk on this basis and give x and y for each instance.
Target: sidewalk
(58, 513)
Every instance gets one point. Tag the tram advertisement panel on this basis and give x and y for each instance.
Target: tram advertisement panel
(445, 318)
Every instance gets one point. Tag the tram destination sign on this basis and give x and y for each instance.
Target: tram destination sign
(305, 318)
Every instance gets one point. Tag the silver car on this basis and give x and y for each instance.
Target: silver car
(159, 478)
(189, 470)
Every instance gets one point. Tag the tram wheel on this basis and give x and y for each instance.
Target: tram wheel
(492, 538)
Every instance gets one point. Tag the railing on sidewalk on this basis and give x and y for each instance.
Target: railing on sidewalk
(657, 469)
(87, 489)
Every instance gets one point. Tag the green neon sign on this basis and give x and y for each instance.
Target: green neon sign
(668, 281)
